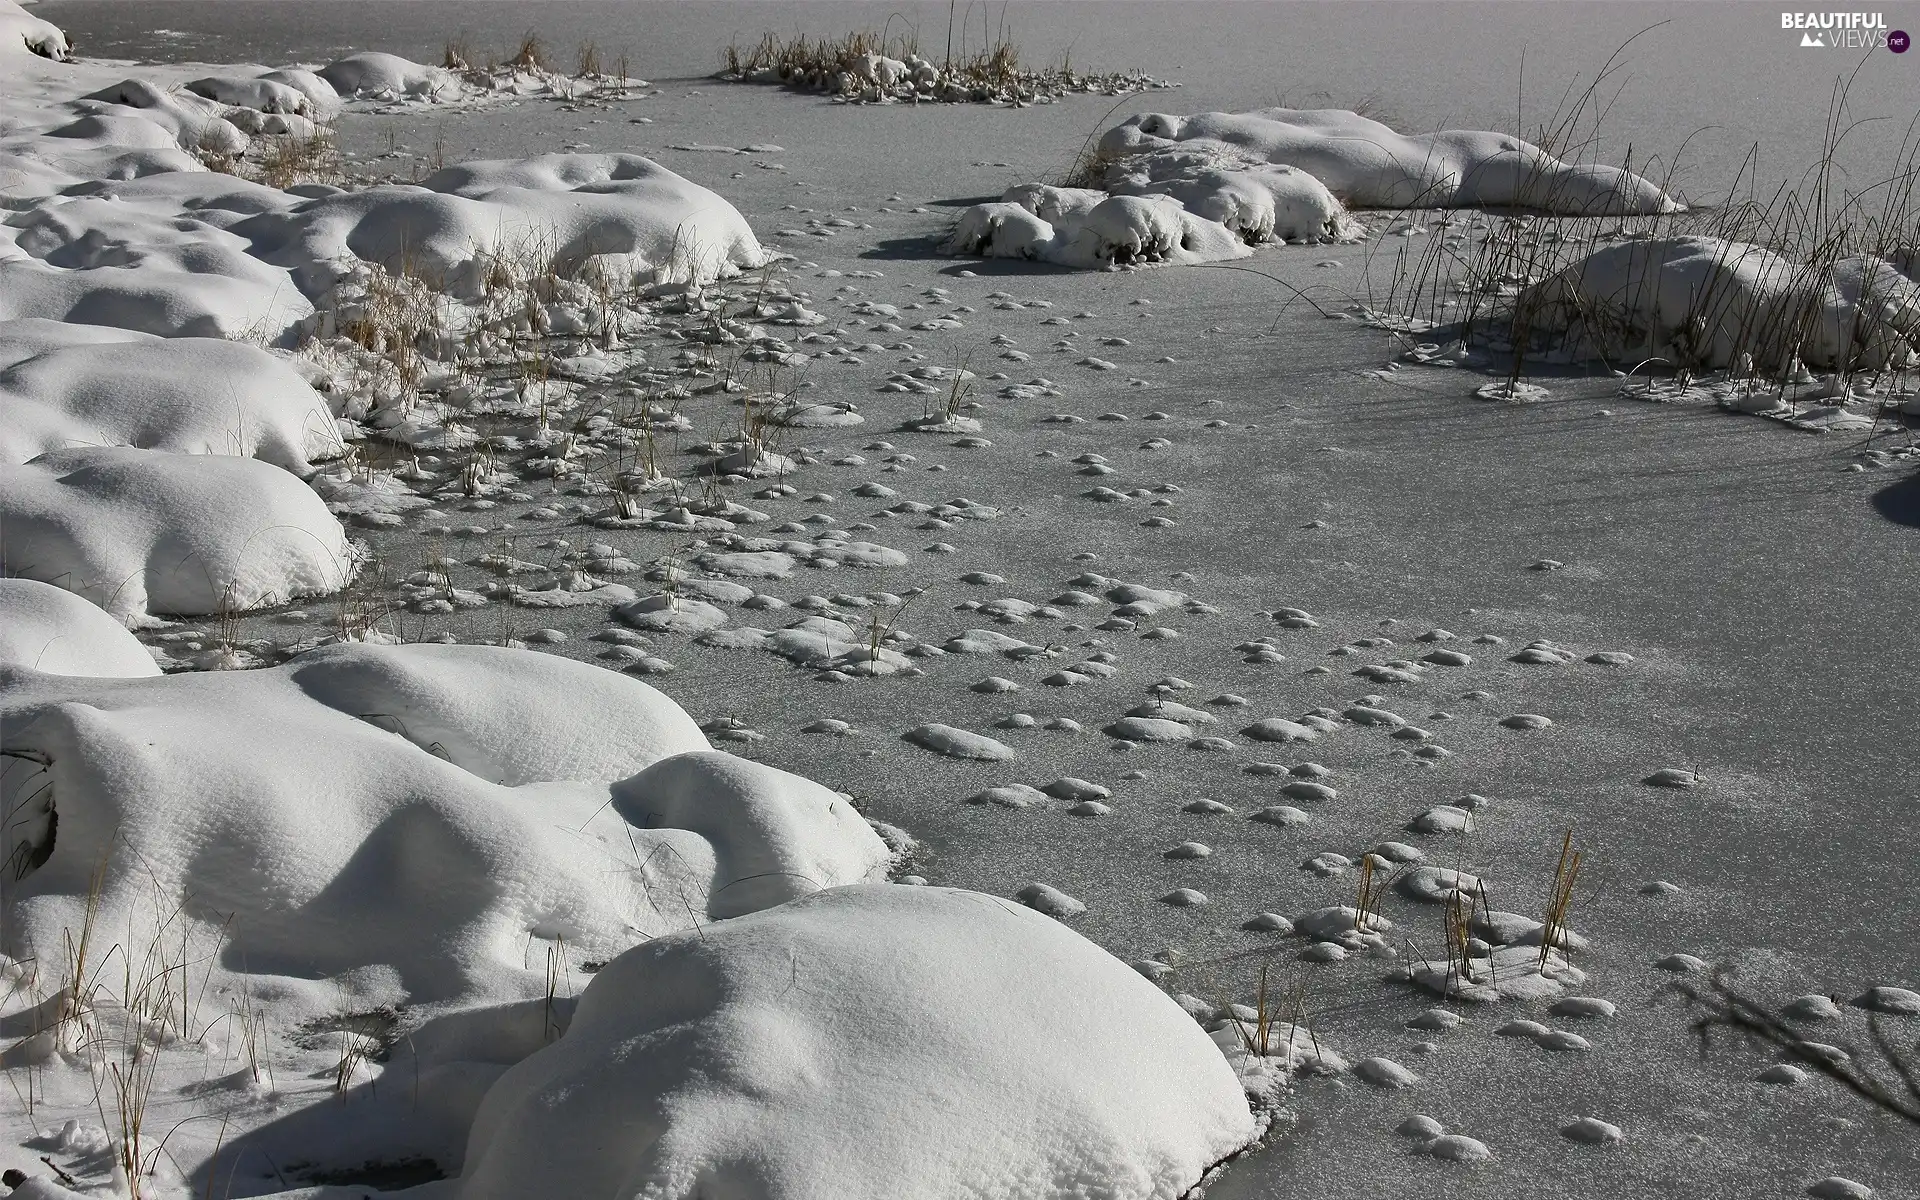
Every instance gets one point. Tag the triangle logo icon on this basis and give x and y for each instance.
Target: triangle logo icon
(1815, 40)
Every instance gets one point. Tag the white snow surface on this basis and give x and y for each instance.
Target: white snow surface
(142, 532)
(49, 629)
(909, 1042)
(382, 825)
(1369, 165)
(66, 385)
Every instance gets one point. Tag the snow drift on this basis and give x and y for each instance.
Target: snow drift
(374, 825)
(100, 261)
(1706, 302)
(65, 385)
(1368, 165)
(885, 1040)
(620, 216)
(45, 628)
(141, 532)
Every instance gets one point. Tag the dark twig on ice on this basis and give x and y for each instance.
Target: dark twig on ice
(1724, 1008)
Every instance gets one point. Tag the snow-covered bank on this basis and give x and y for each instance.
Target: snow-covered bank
(23, 33)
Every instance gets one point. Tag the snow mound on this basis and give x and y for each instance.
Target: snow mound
(1368, 165)
(386, 825)
(1118, 231)
(262, 94)
(99, 261)
(140, 532)
(1702, 301)
(45, 628)
(139, 113)
(40, 167)
(977, 1047)
(22, 34)
(619, 216)
(380, 76)
(65, 385)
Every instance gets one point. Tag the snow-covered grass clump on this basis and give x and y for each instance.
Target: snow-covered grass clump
(66, 385)
(1369, 165)
(403, 819)
(867, 66)
(1710, 303)
(865, 1041)
(145, 532)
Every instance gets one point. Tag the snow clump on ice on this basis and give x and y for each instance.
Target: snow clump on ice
(730, 1064)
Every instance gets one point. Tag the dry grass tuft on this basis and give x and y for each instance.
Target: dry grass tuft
(1553, 936)
(531, 55)
(288, 159)
(992, 71)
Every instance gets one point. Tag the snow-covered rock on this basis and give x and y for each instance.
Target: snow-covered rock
(141, 532)
(909, 1042)
(65, 385)
(1262, 202)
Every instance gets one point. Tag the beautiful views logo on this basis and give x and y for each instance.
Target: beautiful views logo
(1845, 31)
